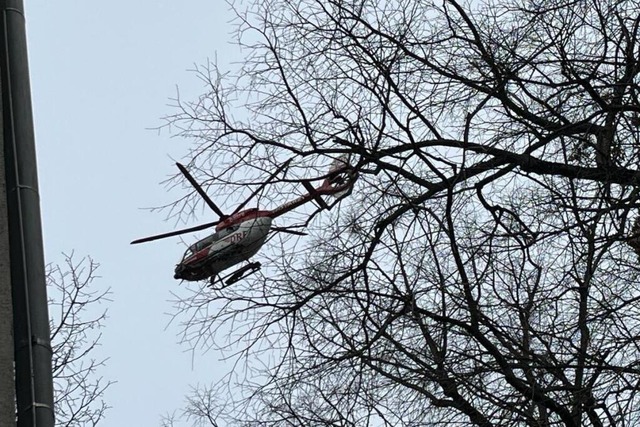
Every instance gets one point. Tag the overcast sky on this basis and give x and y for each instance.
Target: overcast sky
(102, 74)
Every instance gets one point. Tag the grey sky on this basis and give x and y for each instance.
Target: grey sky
(102, 74)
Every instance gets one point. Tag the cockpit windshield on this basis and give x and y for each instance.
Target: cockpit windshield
(201, 244)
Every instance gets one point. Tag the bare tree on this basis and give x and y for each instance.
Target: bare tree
(200, 409)
(483, 270)
(77, 315)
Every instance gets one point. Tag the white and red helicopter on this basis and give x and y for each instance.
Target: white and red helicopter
(240, 235)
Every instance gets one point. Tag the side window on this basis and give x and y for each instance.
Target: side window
(198, 246)
(224, 233)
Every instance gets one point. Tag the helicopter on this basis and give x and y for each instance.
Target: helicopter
(240, 235)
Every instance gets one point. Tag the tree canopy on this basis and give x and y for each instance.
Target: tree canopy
(482, 272)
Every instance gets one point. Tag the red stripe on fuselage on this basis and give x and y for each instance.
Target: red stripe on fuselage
(197, 256)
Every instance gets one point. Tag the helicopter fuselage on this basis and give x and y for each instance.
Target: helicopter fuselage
(236, 239)
(239, 236)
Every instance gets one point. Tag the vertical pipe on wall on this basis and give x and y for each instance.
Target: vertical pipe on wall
(33, 377)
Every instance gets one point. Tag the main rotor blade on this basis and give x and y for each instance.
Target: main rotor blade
(200, 191)
(287, 230)
(262, 186)
(174, 233)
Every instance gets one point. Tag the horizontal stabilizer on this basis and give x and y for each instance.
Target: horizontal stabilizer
(314, 193)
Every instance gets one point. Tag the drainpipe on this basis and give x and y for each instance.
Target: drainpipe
(32, 342)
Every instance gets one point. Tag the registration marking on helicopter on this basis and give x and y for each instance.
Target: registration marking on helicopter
(235, 238)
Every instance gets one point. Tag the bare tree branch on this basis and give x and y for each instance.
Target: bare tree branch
(484, 269)
(76, 320)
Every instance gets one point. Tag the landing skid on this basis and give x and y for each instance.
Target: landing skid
(236, 276)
